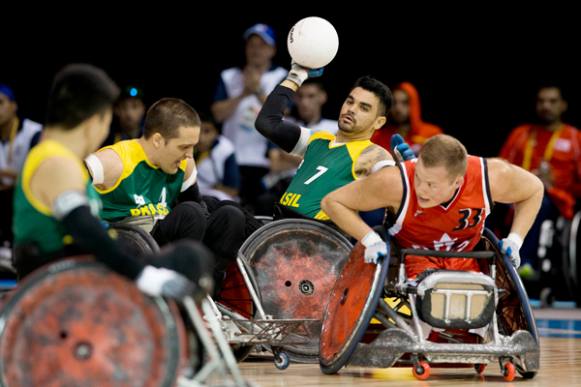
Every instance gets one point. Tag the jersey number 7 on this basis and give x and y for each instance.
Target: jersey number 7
(320, 172)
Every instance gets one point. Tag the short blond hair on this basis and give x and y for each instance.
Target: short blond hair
(446, 151)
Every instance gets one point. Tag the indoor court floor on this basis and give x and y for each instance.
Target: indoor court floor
(560, 331)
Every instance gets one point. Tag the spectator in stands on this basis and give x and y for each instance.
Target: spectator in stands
(239, 97)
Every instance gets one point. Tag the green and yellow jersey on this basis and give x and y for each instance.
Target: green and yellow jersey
(142, 190)
(34, 222)
(326, 166)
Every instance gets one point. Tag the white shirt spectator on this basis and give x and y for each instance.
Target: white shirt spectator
(13, 153)
(250, 145)
(218, 166)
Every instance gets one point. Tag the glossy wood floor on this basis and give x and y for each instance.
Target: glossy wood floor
(560, 365)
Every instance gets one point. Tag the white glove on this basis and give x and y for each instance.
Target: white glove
(510, 246)
(298, 74)
(375, 247)
(157, 281)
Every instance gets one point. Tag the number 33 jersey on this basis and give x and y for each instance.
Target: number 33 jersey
(453, 226)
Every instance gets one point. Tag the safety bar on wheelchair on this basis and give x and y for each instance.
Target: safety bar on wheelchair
(448, 254)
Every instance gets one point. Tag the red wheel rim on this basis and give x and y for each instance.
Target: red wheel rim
(295, 264)
(77, 323)
(351, 306)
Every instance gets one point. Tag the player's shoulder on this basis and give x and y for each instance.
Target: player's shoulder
(60, 167)
(321, 135)
(374, 149)
(110, 159)
(498, 169)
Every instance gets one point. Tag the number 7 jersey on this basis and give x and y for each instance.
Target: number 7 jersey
(326, 166)
(453, 226)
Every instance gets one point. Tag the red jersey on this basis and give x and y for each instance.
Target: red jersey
(453, 226)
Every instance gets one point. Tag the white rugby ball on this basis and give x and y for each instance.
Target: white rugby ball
(313, 42)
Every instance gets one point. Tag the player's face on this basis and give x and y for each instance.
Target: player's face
(433, 185)
(179, 148)
(550, 105)
(400, 112)
(360, 112)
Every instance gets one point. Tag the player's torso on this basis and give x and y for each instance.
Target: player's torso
(33, 221)
(143, 189)
(326, 166)
(456, 226)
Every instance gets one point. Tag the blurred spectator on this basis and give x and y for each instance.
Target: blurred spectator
(551, 150)
(218, 173)
(239, 98)
(129, 111)
(16, 138)
(405, 118)
(311, 97)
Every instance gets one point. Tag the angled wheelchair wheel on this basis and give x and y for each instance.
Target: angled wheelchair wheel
(75, 322)
(352, 304)
(572, 264)
(514, 310)
(295, 263)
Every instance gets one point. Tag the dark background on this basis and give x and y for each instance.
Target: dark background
(477, 69)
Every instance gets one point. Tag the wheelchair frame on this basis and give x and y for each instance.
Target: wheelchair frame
(403, 343)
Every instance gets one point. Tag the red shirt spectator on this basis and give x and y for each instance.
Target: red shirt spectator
(406, 119)
(551, 150)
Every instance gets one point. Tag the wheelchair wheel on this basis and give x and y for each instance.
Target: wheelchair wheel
(352, 304)
(514, 309)
(572, 267)
(134, 240)
(294, 265)
(75, 322)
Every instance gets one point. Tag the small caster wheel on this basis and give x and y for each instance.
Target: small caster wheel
(508, 371)
(421, 370)
(281, 360)
(479, 368)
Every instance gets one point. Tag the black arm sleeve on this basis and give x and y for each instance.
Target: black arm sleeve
(270, 123)
(90, 234)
